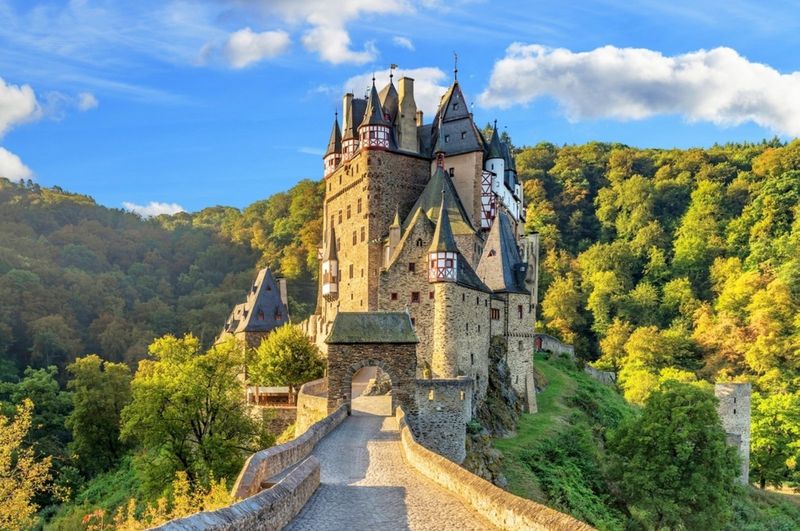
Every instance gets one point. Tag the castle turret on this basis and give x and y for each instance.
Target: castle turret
(495, 161)
(330, 268)
(333, 155)
(734, 412)
(443, 253)
(352, 112)
(375, 131)
(395, 233)
(406, 120)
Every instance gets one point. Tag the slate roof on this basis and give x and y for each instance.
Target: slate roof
(372, 327)
(263, 310)
(455, 120)
(495, 150)
(430, 201)
(373, 115)
(390, 101)
(335, 142)
(501, 267)
(443, 240)
(329, 253)
(356, 114)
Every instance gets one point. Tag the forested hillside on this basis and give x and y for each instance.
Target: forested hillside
(76, 277)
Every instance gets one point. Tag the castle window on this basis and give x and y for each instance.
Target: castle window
(477, 301)
(260, 314)
(479, 329)
(472, 358)
(340, 179)
(516, 379)
(329, 186)
(734, 399)
(363, 234)
(463, 395)
(466, 327)
(358, 207)
(452, 172)
(340, 217)
(412, 267)
(519, 311)
(419, 242)
(415, 296)
(463, 297)
(492, 252)
(351, 270)
(348, 211)
(519, 345)
(463, 135)
(431, 396)
(393, 296)
(455, 106)
(495, 314)
(362, 272)
(413, 322)
(269, 288)
(278, 314)
(430, 295)
(446, 138)
(355, 237)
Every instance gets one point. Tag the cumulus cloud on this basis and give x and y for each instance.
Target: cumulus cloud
(153, 208)
(429, 85)
(11, 167)
(246, 47)
(403, 42)
(324, 24)
(718, 86)
(87, 101)
(17, 105)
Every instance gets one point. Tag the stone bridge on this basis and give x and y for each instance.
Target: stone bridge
(366, 484)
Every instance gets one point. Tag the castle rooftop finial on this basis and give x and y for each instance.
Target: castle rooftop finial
(455, 66)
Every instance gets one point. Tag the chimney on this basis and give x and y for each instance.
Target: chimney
(406, 115)
(282, 290)
(347, 105)
(419, 118)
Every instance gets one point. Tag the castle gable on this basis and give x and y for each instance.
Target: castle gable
(457, 132)
(431, 198)
(501, 267)
(418, 235)
(265, 308)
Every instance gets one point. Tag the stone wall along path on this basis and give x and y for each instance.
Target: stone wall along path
(367, 485)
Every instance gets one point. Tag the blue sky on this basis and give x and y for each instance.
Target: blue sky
(190, 104)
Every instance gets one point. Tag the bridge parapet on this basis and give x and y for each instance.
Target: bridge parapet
(501, 508)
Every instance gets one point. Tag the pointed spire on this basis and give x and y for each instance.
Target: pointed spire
(335, 142)
(495, 149)
(396, 222)
(374, 113)
(330, 250)
(443, 240)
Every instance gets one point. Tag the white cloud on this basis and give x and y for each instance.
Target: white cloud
(11, 167)
(403, 42)
(153, 208)
(326, 21)
(246, 47)
(17, 105)
(429, 85)
(306, 150)
(718, 85)
(87, 101)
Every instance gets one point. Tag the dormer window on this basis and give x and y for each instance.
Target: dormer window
(446, 138)
(278, 314)
(260, 315)
(463, 135)
(455, 106)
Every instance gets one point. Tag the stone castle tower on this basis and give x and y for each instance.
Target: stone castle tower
(427, 219)
(734, 411)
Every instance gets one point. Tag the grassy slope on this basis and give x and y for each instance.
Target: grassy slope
(572, 403)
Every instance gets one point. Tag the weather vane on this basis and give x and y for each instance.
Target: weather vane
(455, 66)
(392, 68)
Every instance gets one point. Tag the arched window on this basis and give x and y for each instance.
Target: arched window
(419, 242)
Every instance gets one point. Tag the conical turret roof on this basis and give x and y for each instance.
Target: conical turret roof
(335, 142)
(443, 240)
(330, 249)
(390, 100)
(374, 113)
(495, 149)
(430, 201)
(500, 263)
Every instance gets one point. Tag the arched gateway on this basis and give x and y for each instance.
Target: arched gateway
(381, 339)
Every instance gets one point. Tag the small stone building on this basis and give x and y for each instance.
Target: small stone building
(734, 411)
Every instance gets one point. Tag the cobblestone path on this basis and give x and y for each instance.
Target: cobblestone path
(367, 485)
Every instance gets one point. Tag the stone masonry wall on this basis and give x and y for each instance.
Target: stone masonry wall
(269, 510)
(501, 508)
(552, 344)
(268, 463)
(443, 409)
(734, 411)
(461, 332)
(397, 360)
(397, 279)
(520, 339)
(312, 405)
